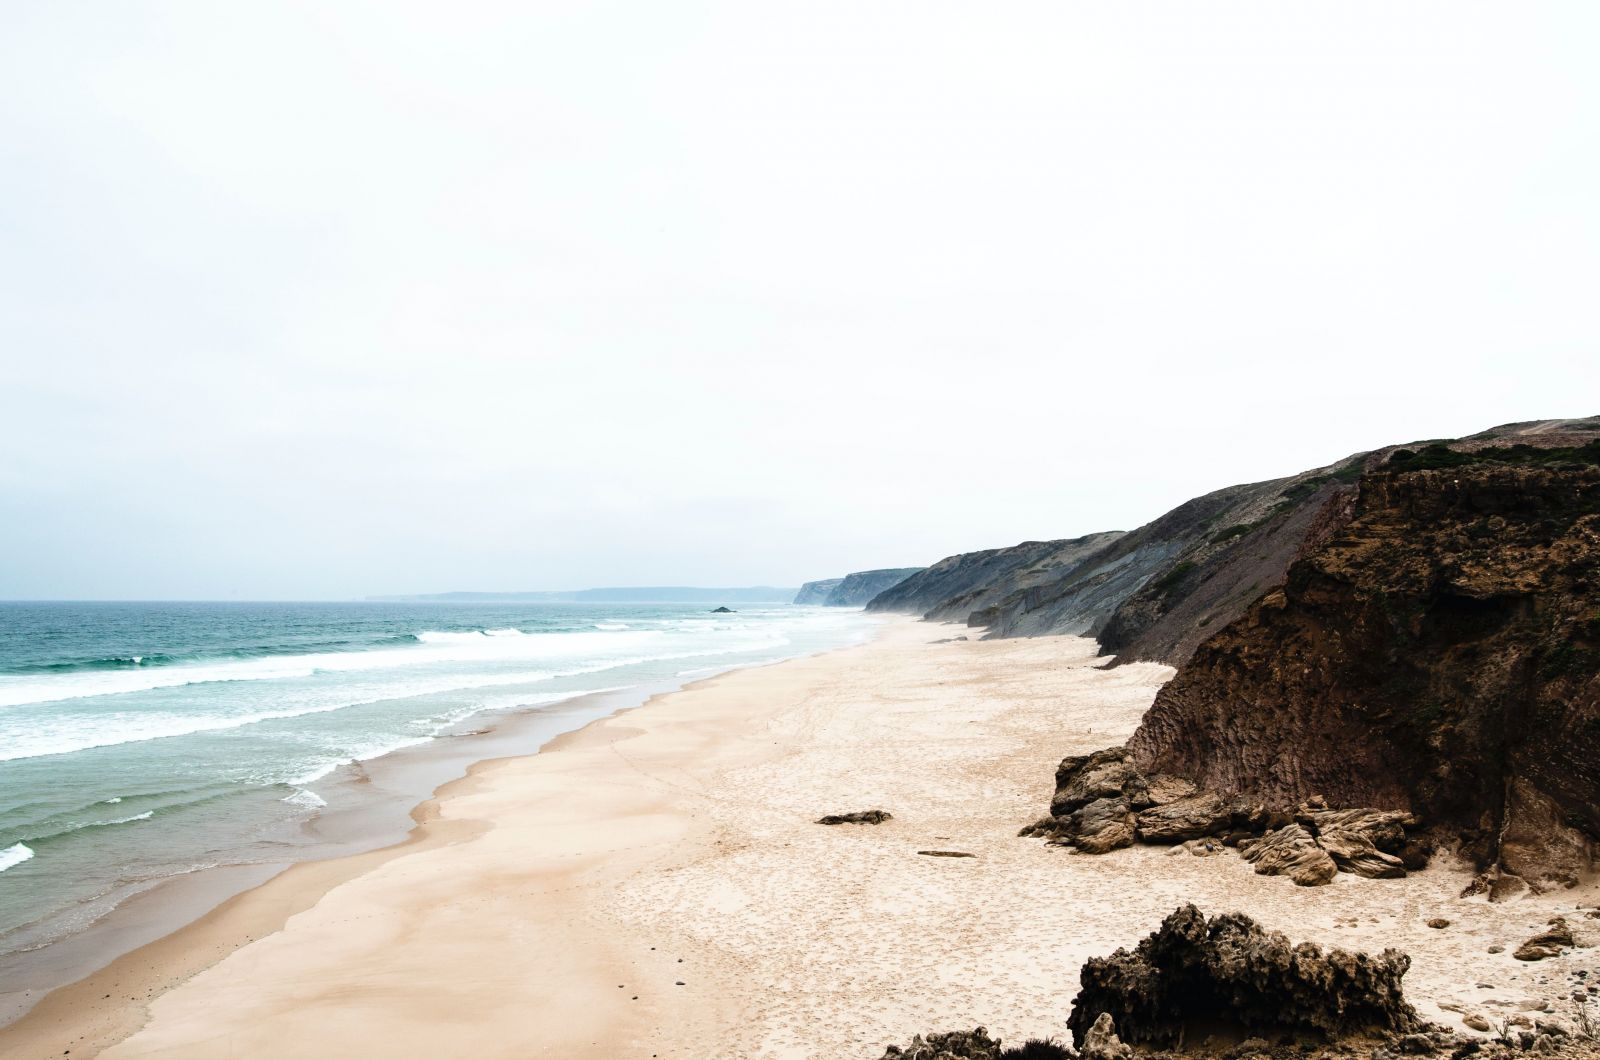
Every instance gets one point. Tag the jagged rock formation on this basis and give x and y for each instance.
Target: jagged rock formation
(1435, 650)
(1103, 801)
(1101, 1041)
(1228, 971)
(973, 1045)
(853, 590)
(960, 586)
(815, 594)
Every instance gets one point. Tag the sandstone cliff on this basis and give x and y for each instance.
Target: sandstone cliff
(1434, 648)
(1157, 592)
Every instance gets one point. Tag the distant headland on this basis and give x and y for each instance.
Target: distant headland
(649, 594)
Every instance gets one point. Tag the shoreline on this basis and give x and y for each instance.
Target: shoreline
(654, 885)
(377, 799)
(415, 776)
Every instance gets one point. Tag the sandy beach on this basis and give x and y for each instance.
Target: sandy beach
(653, 885)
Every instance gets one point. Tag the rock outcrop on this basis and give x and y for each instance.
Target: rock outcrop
(1434, 651)
(1103, 802)
(1100, 1042)
(853, 590)
(1293, 852)
(1229, 972)
(974, 1045)
(959, 587)
(1157, 592)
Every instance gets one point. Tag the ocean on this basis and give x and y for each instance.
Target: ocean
(145, 741)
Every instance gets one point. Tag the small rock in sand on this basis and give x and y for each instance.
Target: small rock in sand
(1547, 943)
(858, 817)
(1438, 922)
(946, 854)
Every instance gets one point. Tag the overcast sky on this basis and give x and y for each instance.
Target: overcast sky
(322, 300)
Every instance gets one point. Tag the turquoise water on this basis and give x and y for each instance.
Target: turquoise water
(140, 741)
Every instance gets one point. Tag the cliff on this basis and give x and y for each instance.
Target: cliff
(956, 586)
(1157, 592)
(857, 589)
(1153, 593)
(815, 594)
(853, 590)
(1433, 648)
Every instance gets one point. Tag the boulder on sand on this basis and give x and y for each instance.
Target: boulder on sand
(1103, 825)
(1188, 818)
(1547, 943)
(1354, 853)
(1081, 779)
(1229, 970)
(1291, 852)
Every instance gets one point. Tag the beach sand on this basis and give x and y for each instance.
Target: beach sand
(653, 885)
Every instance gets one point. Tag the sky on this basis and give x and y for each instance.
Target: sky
(322, 300)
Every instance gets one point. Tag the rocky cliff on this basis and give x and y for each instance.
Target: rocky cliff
(1433, 648)
(1153, 593)
(853, 590)
(858, 589)
(815, 594)
(957, 586)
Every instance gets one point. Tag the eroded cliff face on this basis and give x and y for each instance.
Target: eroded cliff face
(853, 590)
(858, 589)
(1153, 593)
(815, 594)
(956, 586)
(1435, 648)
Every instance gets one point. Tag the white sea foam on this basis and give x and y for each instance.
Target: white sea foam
(145, 816)
(611, 626)
(489, 646)
(14, 855)
(432, 727)
(79, 732)
(113, 801)
(309, 799)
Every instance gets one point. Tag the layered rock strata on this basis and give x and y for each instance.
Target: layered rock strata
(1103, 801)
(1437, 654)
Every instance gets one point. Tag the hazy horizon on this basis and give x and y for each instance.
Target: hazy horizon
(312, 303)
